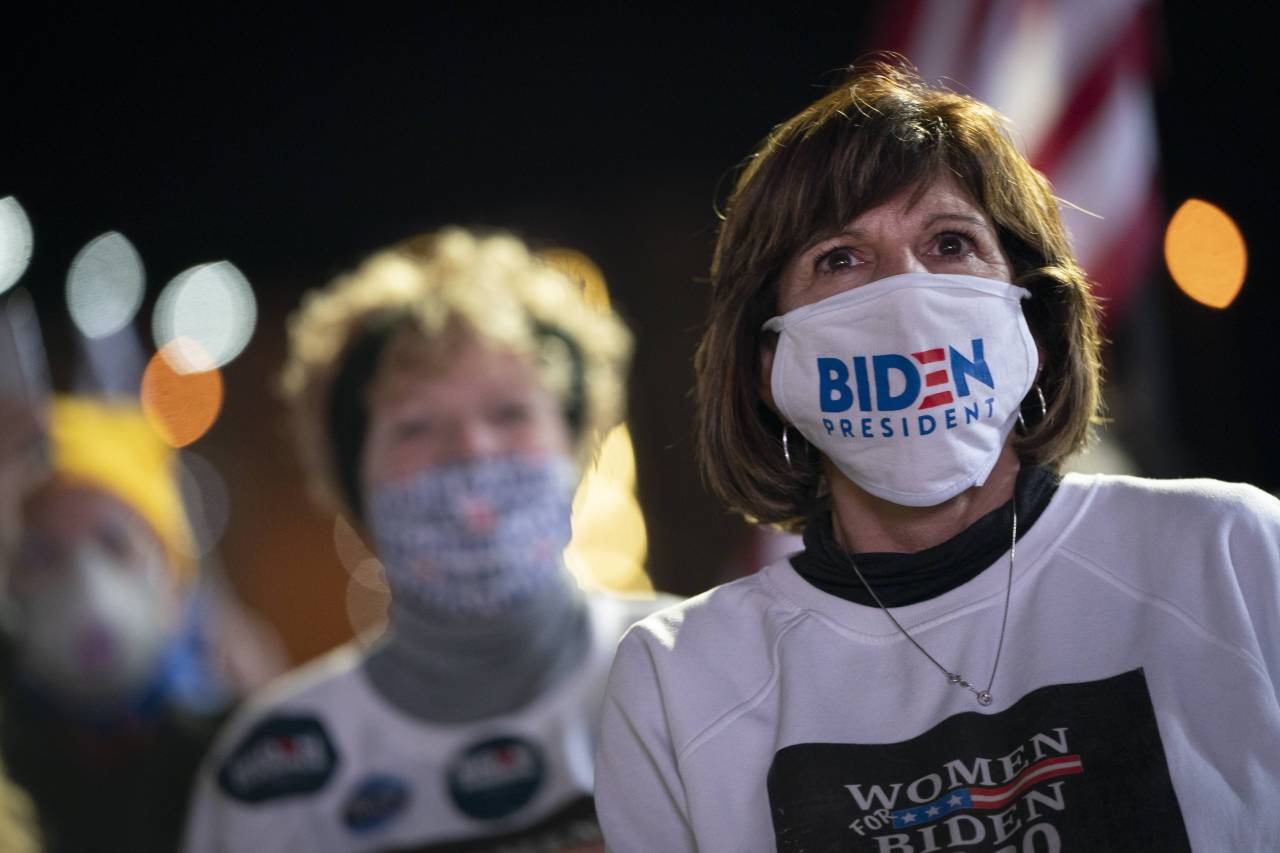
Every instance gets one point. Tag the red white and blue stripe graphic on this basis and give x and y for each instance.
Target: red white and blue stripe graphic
(988, 797)
(934, 378)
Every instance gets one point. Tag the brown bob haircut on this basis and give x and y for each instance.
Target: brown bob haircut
(880, 132)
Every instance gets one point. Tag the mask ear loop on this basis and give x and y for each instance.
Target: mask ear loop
(786, 444)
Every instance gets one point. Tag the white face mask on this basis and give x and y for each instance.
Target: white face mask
(96, 634)
(909, 385)
(474, 537)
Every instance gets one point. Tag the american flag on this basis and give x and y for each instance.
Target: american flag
(988, 797)
(1074, 77)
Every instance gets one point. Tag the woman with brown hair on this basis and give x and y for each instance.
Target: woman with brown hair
(972, 651)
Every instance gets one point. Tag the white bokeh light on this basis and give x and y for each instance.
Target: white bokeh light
(349, 546)
(206, 499)
(105, 285)
(367, 601)
(15, 242)
(211, 304)
(368, 596)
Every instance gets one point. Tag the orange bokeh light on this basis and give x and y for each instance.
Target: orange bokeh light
(1205, 253)
(181, 392)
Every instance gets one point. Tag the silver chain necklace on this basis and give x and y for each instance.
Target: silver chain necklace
(984, 696)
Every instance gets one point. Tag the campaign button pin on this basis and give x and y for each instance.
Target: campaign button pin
(375, 802)
(496, 777)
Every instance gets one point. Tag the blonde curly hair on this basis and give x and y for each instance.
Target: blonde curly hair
(441, 285)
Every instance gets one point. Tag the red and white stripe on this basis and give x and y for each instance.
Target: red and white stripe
(1042, 771)
(1074, 77)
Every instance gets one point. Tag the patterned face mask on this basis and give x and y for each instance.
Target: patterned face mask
(474, 537)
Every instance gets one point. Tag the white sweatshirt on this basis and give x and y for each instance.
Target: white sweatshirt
(1135, 707)
(322, 762)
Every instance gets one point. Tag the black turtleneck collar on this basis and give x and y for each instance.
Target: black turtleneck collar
(901, 579)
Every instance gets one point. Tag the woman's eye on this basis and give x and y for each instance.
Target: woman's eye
(511, 414)
(37, 553)
(413, 428)
(837, 260)
(113, 537)
(952, 244)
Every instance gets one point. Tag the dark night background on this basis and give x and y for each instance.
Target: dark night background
(294, 144)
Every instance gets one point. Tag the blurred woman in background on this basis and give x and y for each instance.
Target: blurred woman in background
(445, 397)
(110, 694)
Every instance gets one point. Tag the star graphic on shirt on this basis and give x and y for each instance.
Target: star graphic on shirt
(933, 811)
(909, 817)
(956, 800)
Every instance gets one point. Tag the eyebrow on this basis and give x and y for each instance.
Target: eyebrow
(963, 217)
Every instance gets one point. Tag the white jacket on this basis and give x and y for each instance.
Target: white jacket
(321, 762)
(1135, 707)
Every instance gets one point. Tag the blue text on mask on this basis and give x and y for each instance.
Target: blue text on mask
(924, 424)
(836, 395)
